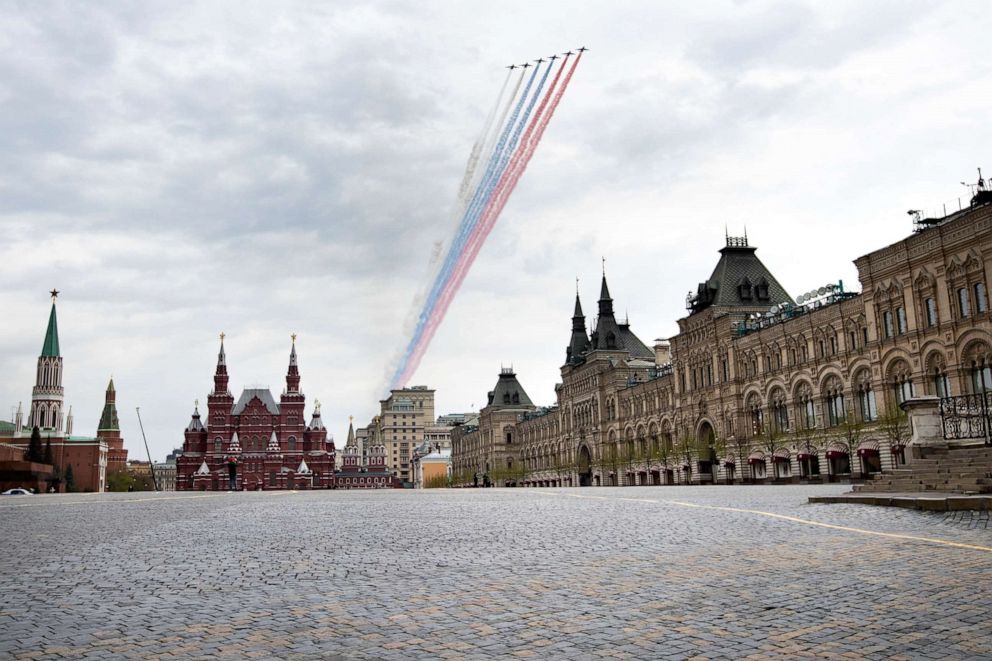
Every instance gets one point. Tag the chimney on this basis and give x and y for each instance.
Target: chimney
(662, 352)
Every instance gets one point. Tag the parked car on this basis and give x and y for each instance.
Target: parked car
(16, 492)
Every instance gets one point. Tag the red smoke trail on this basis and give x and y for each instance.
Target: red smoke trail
(505, 187)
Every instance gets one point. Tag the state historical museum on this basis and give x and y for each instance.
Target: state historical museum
(255, 443)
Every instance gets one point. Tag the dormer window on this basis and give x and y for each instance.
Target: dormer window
(611, 341)
(516, 398)
(506, 398)
(761, 290)
(744, 290)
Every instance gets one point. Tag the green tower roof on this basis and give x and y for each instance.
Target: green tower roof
(108, 419)
(51, 346)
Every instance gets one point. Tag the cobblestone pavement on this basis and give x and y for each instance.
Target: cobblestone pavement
(647, 573)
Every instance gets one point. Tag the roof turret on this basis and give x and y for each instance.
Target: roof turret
(293, 375)
(351, 435)
(273, 444)
(508, 392)
(108, 419)
(195, 425)
(51, 345)
(316, 424)
(578, 344)
(605, 302)
(740, 279)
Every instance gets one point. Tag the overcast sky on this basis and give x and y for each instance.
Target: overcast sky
(182, 169)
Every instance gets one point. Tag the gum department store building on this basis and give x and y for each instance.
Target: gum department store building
(756, 386)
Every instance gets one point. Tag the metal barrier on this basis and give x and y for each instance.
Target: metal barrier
(967, 416)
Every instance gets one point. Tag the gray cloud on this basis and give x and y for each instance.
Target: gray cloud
(262, 168)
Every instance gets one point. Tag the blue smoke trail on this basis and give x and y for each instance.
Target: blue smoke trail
(494, 170)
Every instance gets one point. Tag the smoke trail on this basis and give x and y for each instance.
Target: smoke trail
(477, 150)
(465, 228)
(497, 165)
(486, 140)
(505, 187)
(423, 341)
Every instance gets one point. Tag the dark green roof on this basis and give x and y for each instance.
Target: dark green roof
(51, 346)
(740, 279)
(508, 392)
(108, 420)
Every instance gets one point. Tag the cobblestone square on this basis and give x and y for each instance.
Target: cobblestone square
(645, 573)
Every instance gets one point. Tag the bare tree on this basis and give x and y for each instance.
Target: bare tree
(562, 466)
(808, 441)
(684, 448)
(769, 439)
(894, 425)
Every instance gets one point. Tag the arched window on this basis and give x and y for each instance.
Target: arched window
(901, 381)
(761, 290)
(292, 443)
(780, 413)
(754, 411)
(834, 400)
(964, 305)
(981, 301)
(931, 311)
(744, 289)
(218, 444)
(937, 373)
(866, 396)
(980, 367)
(804, 401)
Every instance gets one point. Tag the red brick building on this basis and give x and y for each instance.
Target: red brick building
(370, 474)
(109, 431)
(86, 455)
(267, 445)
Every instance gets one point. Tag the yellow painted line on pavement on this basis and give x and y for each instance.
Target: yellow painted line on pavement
(793, 519)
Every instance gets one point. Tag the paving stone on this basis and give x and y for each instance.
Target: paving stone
(493, 573)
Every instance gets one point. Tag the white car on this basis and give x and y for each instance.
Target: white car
(16, 492)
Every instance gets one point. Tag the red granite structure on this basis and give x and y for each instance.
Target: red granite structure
(255, 443)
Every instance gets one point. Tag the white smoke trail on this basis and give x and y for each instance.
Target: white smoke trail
(483, 145)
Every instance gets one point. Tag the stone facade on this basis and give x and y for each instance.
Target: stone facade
(489, 451)
(399, 427)
(266, 445)
(758, 386)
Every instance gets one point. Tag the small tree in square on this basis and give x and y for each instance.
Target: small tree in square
(35, 453)
(684, 449)
(70, 479)
(894, 425)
